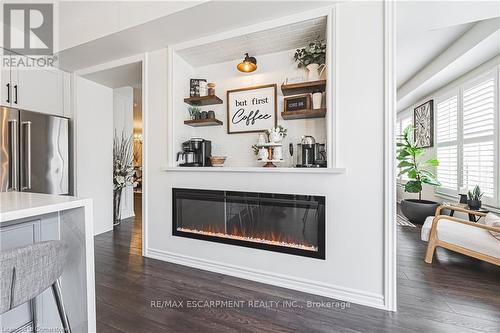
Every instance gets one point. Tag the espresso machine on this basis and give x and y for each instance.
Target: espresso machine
(195, 152)
(311, 154)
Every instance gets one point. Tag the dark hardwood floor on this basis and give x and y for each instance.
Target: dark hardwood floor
(455, 294)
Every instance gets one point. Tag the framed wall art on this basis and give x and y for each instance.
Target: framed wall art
(423, 120)
(251, 109)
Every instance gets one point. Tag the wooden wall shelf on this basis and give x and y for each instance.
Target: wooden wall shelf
(304, 114)
(205, 100)
(203, 122)
(303, 87)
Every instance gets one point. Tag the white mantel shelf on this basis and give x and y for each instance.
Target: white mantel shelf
(257, 170)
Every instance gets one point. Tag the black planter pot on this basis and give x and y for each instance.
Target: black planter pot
(474, 204)
(417, 210)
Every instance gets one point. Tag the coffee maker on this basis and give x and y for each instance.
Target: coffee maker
(195, 152)
(311, 154)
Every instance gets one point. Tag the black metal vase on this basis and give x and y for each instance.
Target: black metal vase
(117, 211)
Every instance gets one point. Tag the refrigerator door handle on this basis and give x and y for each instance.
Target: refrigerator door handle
(26, 155)
(8, 92)
(15, 94)
(13, 154)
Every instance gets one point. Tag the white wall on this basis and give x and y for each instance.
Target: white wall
(429, 192)
(123, 123)
(94, 149)
(273, 69)
(83, 21)
(354, 266)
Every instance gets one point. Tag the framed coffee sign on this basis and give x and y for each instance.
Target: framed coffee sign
(251, 109)
(297, 103)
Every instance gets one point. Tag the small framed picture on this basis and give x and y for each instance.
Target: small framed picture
(194, 87)
(423, 120)
(251, 109)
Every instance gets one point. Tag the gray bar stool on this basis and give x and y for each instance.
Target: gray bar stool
(27, 271)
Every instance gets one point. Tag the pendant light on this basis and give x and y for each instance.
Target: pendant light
(249, 64)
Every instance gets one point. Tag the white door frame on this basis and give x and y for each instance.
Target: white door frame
(390, 233)
(116, 63)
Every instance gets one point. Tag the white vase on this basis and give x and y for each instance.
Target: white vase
(278, 153)
(262, 154)
(316, 99)
(275, 137)
(314, 72)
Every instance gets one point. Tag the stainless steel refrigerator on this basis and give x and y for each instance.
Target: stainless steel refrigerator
(34, 152)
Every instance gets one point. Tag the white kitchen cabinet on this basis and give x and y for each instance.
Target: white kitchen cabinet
(5, 88)
(38, 90)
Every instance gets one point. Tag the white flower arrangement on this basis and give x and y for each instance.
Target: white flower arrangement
(277, 129)
(123, 168)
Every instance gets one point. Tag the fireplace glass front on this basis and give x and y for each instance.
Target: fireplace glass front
(288, 223)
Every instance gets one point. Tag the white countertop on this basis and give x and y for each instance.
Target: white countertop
(18, 205)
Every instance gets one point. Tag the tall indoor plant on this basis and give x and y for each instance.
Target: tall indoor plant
(123, 171)
(312, 57)
(410, 164)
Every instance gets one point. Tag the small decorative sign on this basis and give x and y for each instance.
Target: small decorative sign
(296, 103)
(424, 124)
(251, 109)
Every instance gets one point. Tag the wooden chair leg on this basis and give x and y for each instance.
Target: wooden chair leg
(431, 247)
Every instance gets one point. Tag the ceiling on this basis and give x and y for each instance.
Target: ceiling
(205, 19)
(129, 75)
(416, 50)
(83, 21)
(426, 30)
(277, 39)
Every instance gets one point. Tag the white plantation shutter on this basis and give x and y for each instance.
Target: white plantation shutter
(478, 136)
(447, 143)
(466, 138)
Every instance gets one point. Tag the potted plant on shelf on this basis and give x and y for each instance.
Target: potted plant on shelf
(408, 155)
(123, 171)
(474, 198)
(194, 112)
(312, 57)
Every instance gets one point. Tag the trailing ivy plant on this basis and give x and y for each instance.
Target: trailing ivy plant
(408, 155)
(314, 53)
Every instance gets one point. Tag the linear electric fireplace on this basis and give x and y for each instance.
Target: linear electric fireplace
(287, 223)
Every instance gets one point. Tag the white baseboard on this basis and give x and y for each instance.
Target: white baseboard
(304, 285)
(126, 214)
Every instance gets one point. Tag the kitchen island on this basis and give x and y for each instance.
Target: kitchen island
(27, 218)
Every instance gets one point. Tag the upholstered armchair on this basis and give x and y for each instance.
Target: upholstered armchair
(475, 239)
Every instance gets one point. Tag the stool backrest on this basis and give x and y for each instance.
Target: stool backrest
(25, 272)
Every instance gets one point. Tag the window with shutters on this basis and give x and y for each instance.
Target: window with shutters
(447, 143)
(467, 140)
